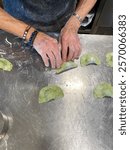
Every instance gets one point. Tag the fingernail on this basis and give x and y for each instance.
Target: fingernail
(46, 65)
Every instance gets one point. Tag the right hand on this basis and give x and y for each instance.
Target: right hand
(49, 49)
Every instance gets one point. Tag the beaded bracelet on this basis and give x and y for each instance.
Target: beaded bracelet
(23, 42)
(25, 33)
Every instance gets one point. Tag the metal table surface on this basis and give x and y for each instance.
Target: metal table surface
(77, 122)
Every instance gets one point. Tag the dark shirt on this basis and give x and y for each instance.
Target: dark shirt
(44, 15)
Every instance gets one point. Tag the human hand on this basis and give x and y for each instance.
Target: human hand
(49, 49)
(70, 43)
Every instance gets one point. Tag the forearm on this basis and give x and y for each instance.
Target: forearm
(12, 25)
(45, 45)
(84, 6)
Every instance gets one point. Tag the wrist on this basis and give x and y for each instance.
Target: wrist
(39, 39)
(73, 24)
(78, 17)
(29, 36)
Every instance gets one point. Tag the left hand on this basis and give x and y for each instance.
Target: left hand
(70, 43)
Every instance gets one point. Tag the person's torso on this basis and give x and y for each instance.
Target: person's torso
(46, 15)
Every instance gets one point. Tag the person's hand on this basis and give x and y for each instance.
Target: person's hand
(70, 43)
(49, 49)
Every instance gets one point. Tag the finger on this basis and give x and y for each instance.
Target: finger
(71, 53)
(52, 59)
(64, 51)
(60, 52)
(80, 48)
(77, 52)
(77, 48)
(58, 58)
(57, 54)
(45, 60)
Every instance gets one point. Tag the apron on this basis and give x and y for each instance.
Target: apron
(44, 15)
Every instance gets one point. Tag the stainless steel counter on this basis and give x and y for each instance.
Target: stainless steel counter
(77, 122)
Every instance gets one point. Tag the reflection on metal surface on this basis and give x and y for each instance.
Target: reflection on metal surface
(3, 145)
(77, 122)
(9, 43)
(4, 125)
(6, 122)
(74, 83)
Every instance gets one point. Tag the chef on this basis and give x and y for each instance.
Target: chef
(32, 20)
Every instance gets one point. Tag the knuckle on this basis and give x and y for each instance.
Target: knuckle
(64, 38)
(54, 41)
(51, 57)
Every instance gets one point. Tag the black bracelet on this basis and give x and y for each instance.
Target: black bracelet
(32, 38)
